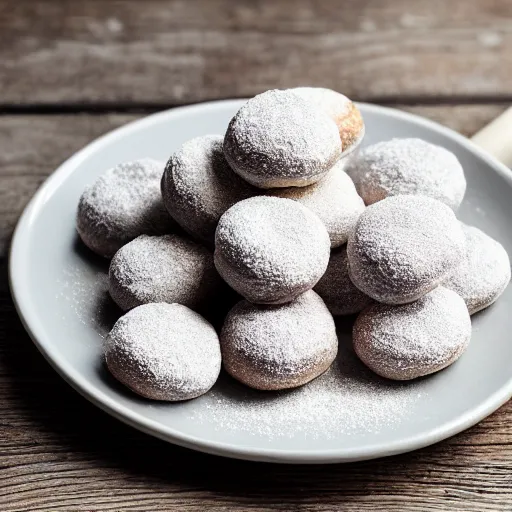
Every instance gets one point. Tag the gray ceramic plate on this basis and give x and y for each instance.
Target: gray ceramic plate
(60, 290)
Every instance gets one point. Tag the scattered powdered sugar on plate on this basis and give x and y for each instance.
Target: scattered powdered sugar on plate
(85, 292)
(347, 399)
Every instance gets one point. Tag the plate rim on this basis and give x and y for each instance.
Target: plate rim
(18, 284)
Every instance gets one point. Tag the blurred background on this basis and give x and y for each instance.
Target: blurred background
(153, 53)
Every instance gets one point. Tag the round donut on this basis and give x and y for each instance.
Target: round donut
(165, 268)
(270, 250)
(411, 340)
(279, 347)
(404, 246)
(408, 166)
(122, 204)
(277, 139)
(484, 272)
(164, 352)
(198, 186)
(336, 288)
(334, 199)
(340, 109)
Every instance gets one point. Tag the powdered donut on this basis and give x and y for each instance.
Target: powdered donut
(198, 186)
(162, 269)
(484, 272)
(408, 166)
(337, 290)
(408, 341)
(122, 204)
(164, 352)
(334, 199)
(279, 347)
(270, 250)
(403, 247)
(339, 108)
(277, 139)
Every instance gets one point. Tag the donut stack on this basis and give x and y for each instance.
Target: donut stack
(288, 214)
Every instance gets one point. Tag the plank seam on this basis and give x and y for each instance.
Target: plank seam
(149, 107)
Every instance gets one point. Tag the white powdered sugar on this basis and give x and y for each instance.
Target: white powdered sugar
(334, 199)
(198, 186)
(270, 250)
(484, 272)
(336, 288)
(408, 166)
(411, 340)
(164, 352)
(293, 236)
(403, 247)
(279, 347)
(333, 103)
(348, 399)
(278, 139)
(339, 108)
(122, 204)
(165, 268)
(84, 291)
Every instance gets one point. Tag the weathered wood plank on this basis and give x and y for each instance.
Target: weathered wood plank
(59, 452)
(169, 52)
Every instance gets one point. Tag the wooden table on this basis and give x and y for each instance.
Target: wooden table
(70, 71)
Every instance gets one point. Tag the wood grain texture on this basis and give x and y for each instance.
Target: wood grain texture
(60, 453)
(170, 52)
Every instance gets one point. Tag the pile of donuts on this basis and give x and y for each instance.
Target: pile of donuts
(279, 225)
